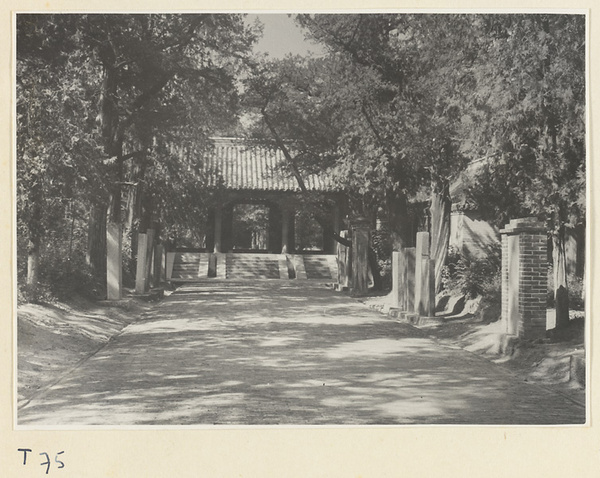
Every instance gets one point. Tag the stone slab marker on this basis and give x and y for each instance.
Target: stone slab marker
(344, 264)
(424, 277)
(148, 271)
(300, 270)
(170, 264)
(360, 251)
(397, 279)
(140, 271)
(114, 271)
(408, 279)
(283, 268)
(218, 247)
(524, 278)
(221, 261)
(159, 260)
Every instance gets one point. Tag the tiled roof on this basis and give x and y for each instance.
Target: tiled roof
(239, 165)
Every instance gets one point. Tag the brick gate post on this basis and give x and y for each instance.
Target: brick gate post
(524, 278)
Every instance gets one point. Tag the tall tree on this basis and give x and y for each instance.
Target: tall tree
(413, 115)
(148, 79)
(292, 98)
(55, 145)
(530, 110)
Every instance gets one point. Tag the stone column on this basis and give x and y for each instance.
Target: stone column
(344, 264)
(218, 247)
(336, 219)
(397, 270)
(360, 251)
(159, 270)
(403, 279)
(408, 279)
(114, 271)
(148, 272)
(424, 278)
(524, 278)
(285, 231)
(140, 271)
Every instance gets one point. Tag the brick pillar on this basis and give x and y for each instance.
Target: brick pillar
(524, 278)
(424, 278)
(360, 251)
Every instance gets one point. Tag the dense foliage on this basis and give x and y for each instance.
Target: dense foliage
(114, 109)
(113, 112)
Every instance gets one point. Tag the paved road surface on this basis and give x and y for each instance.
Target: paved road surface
(285, 352)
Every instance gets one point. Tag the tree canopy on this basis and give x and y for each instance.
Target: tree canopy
(116, 109)
(112, 107)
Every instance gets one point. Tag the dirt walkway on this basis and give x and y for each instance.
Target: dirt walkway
(283, 352)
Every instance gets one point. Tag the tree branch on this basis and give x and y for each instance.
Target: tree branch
(285, 151)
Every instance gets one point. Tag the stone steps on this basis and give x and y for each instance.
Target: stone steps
(252, 266)
(195, 266)
(318, 266)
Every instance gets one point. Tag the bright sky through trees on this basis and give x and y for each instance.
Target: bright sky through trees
(281, 36)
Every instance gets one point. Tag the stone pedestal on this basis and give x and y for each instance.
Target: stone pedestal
(360, 251)
(524, 278)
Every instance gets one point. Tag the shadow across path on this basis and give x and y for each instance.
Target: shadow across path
(285, 352)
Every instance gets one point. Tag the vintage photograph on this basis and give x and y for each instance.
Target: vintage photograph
(351, 219)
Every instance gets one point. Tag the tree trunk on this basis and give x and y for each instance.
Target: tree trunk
(134, 201)
(33, 260)
(561, 290)
(440, 209)
(35, 231)
(112, 136)
(96, 247)
(399, 220)
(374, 267)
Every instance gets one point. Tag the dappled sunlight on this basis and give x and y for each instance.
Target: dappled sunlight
(278, 341)
(379, 347)
(289, 356)
(410, 409)
(170, 325)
